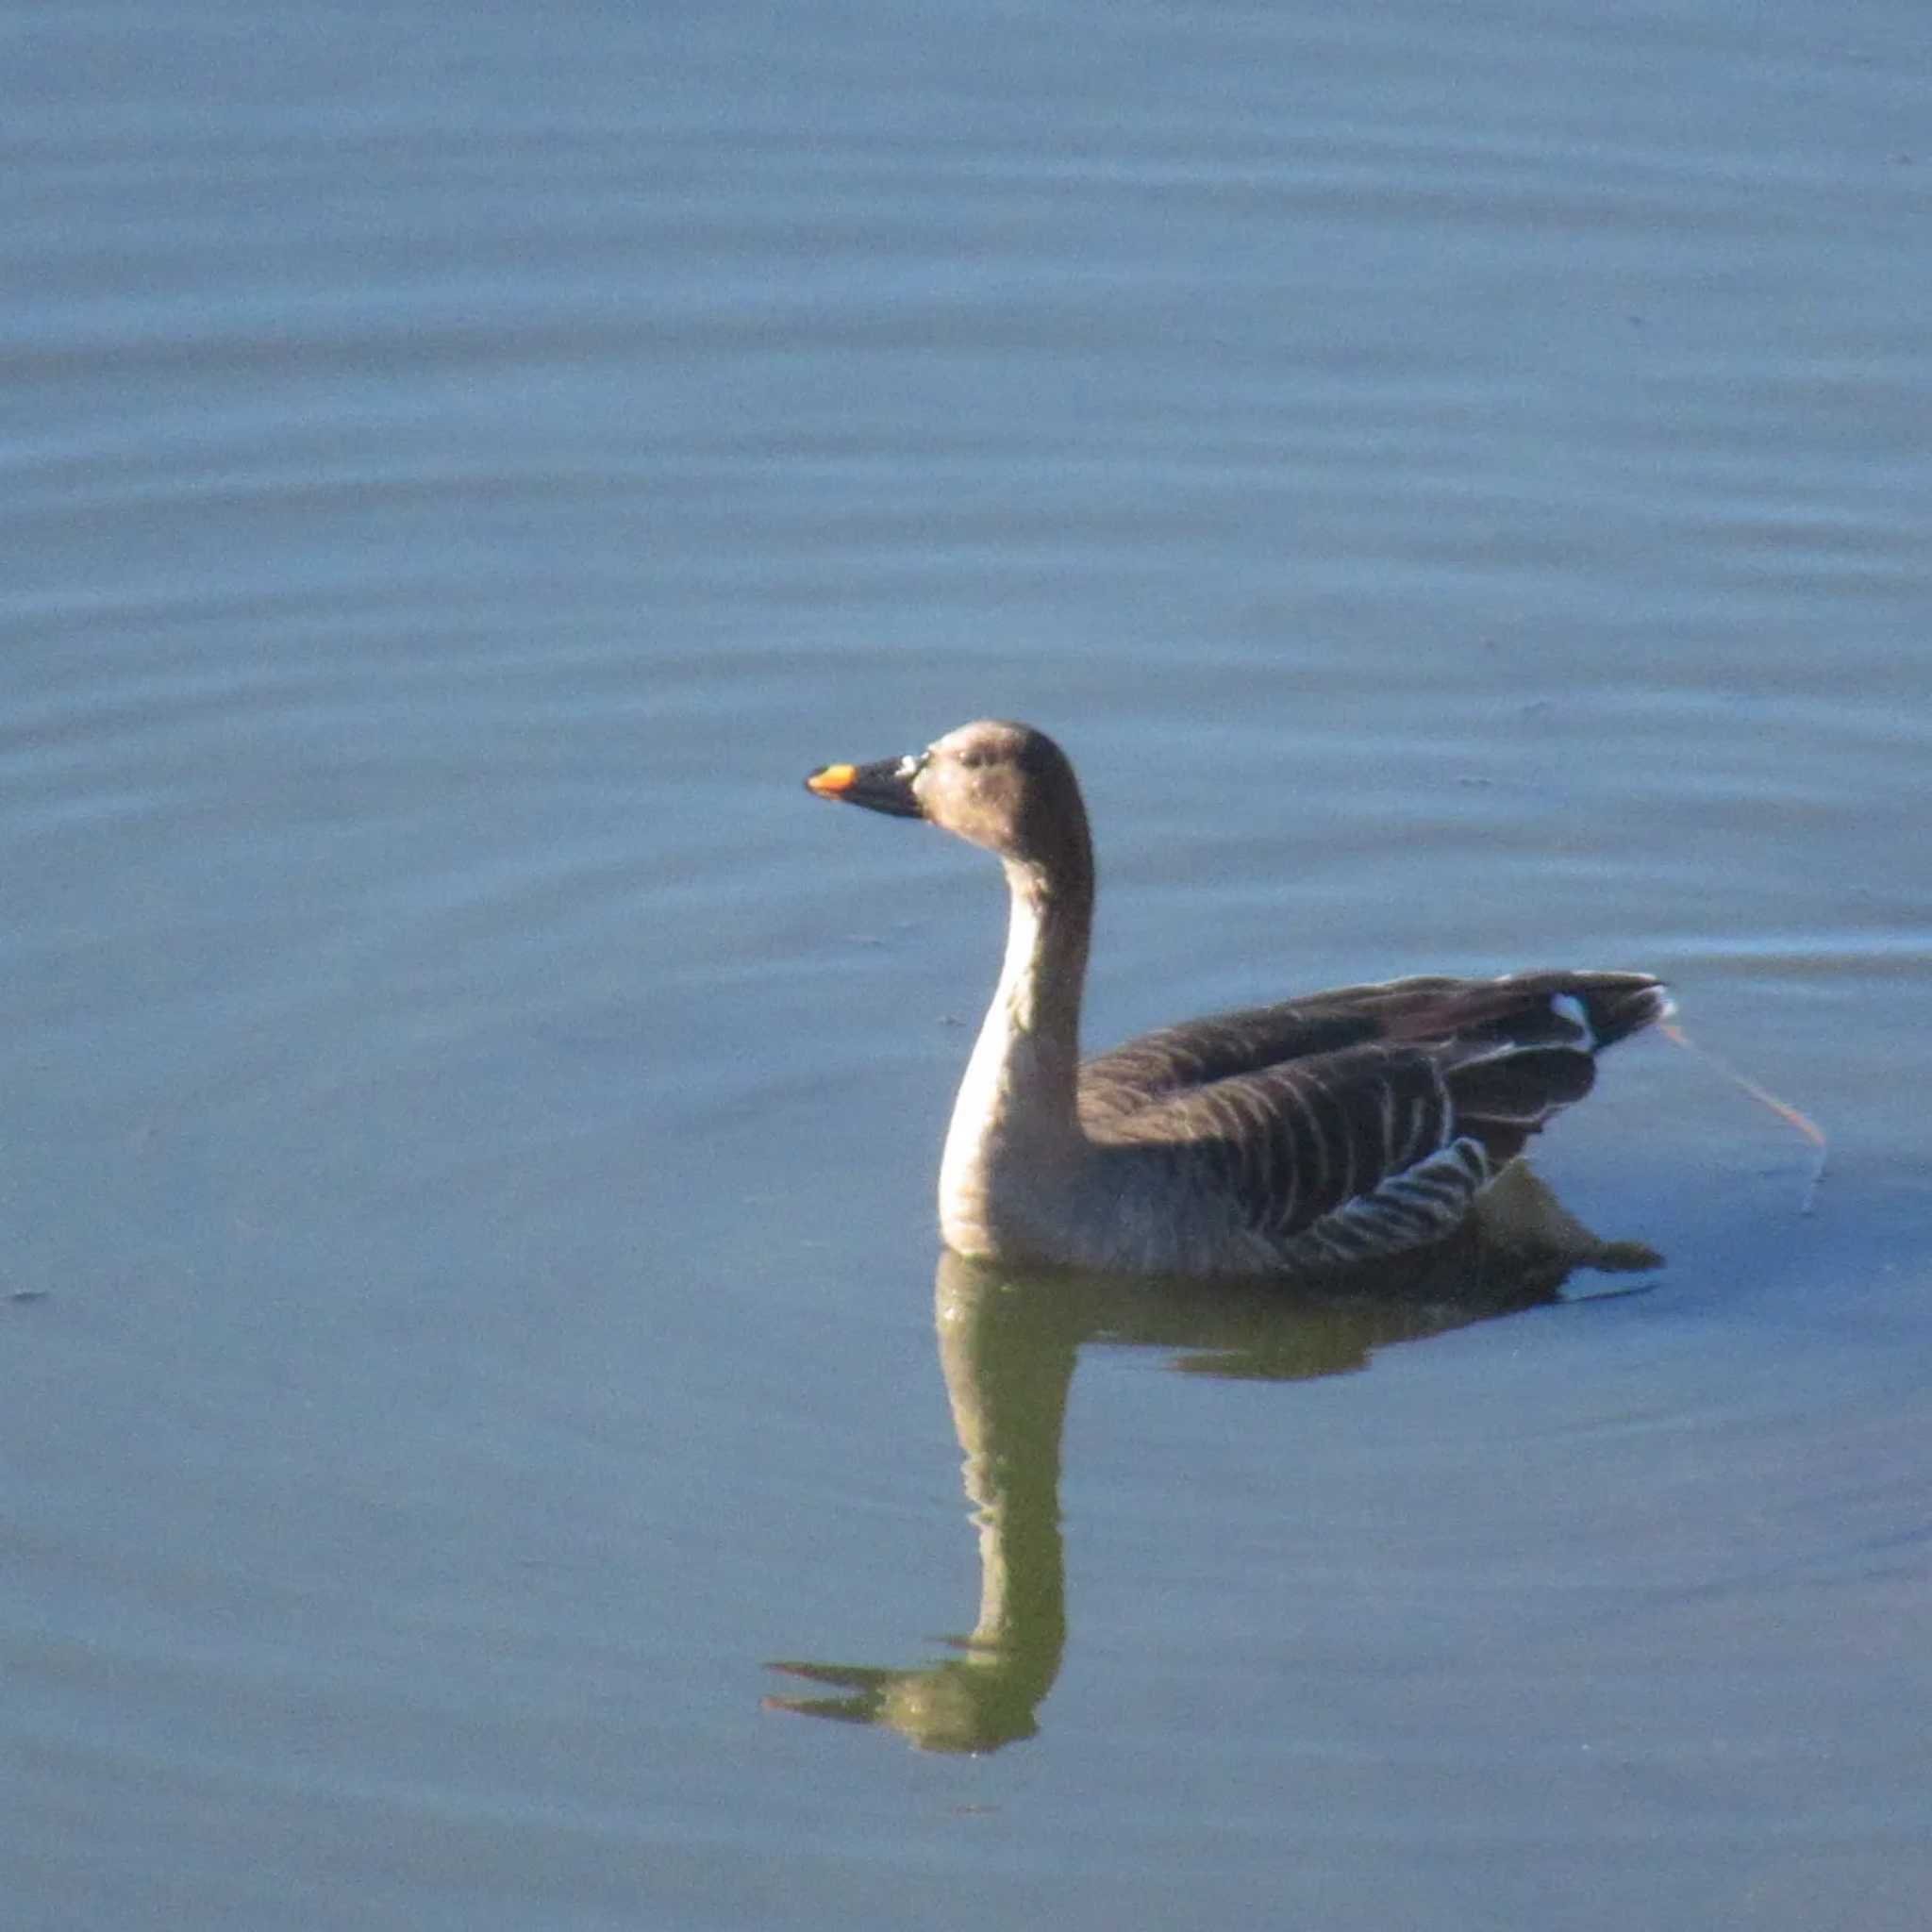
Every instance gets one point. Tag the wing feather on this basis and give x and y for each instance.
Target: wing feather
(1587, 1011)
(1365, 1119)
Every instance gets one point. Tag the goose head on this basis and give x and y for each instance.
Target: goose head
(1004, 786)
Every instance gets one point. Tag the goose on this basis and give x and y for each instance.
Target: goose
(1327, 1130)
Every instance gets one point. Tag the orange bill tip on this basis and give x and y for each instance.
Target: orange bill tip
(832, 780)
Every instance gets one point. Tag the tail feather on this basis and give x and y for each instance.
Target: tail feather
(1548, 1029)
(1590, 1010)
(1620, 1004)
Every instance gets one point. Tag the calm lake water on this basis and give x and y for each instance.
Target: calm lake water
(1458, 482)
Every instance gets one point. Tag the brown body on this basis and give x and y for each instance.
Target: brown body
(1322, 1130)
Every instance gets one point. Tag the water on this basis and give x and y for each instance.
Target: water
(1456, 485)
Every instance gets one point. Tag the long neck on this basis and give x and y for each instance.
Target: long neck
(1016, 1112)
(1030, 1045)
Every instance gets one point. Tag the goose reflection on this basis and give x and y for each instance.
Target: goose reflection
(1009, 1344)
